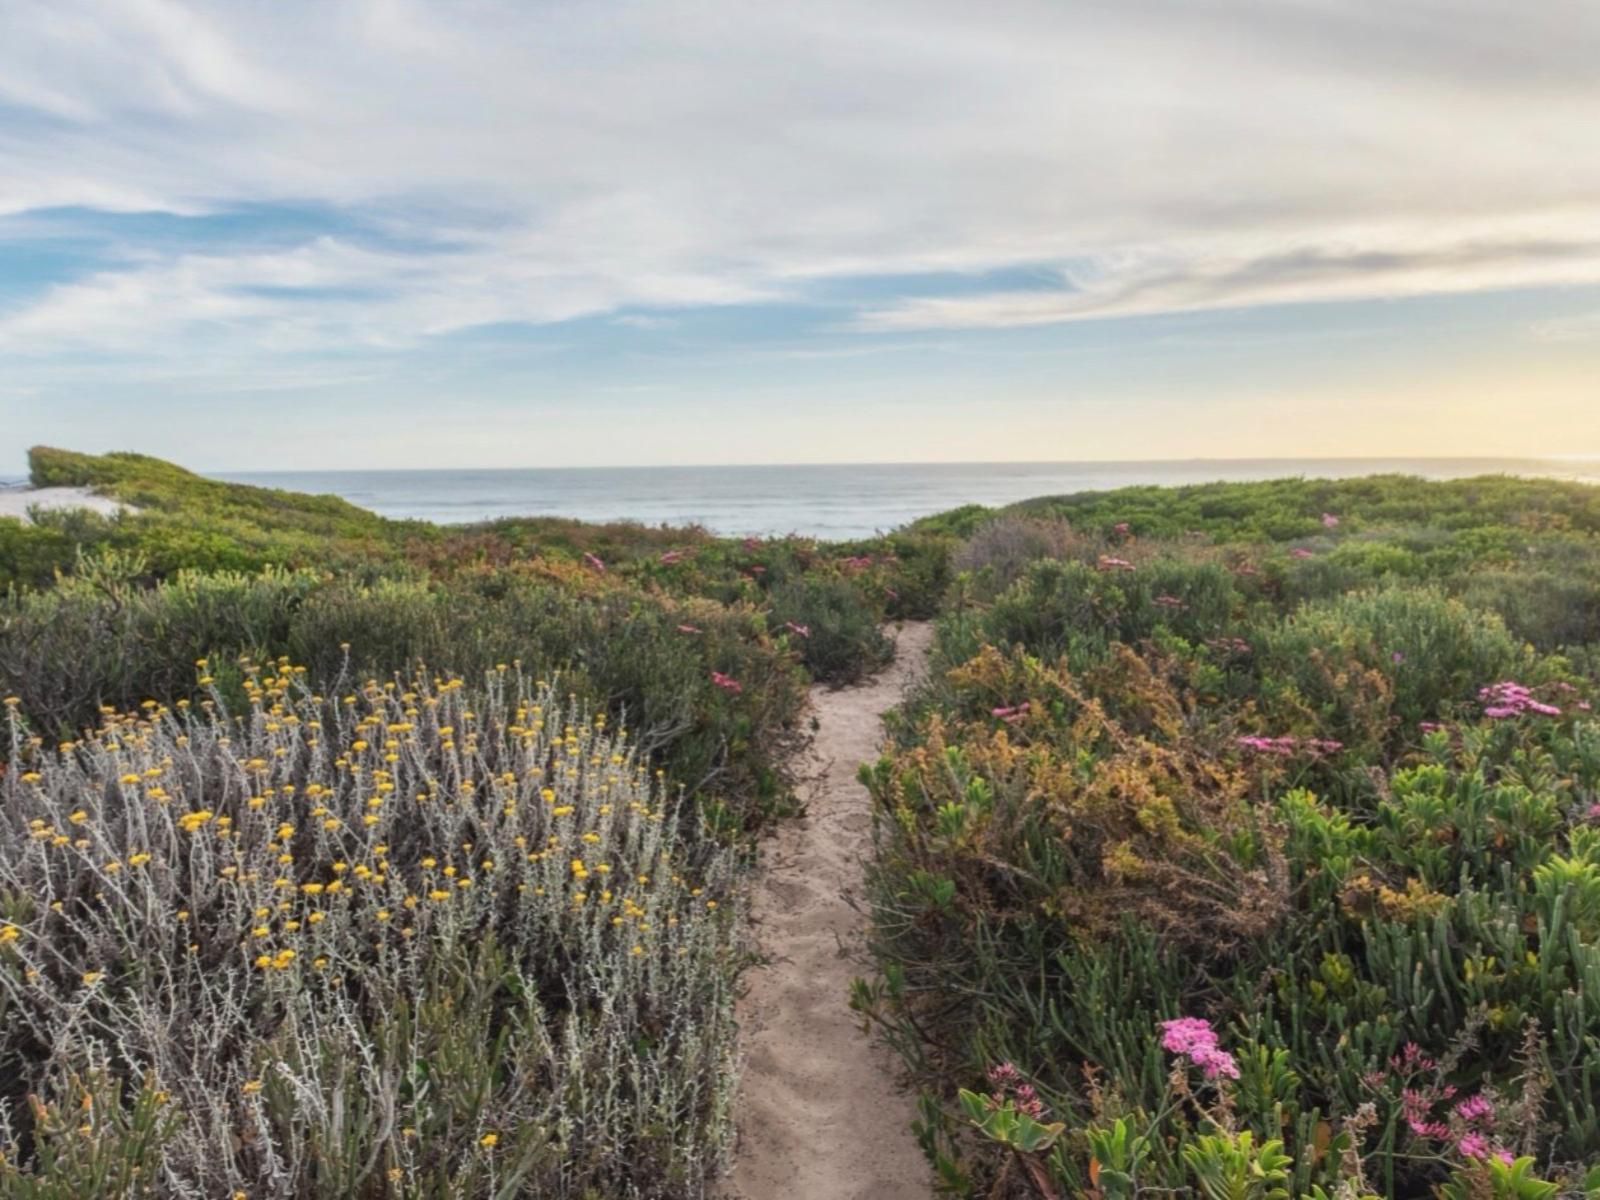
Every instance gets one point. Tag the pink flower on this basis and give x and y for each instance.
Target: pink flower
(1301, 552)
(690, 629)
(1476, 1108)
(1012, 714)
(1288, 747)
(1511, 699)
(670, 557)
(594, 562)
(802, 630)
(1429, 726)
(1122, 528)
(1473, 1145)
(1108, 563)
(1194, 1039)
(726, 682)
(1329, 521)
(1172, 602)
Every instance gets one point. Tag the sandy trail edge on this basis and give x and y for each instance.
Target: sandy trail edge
(820, 1117)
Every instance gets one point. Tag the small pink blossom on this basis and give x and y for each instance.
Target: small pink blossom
(1473, 1145)
(1288, 747)
(1329, 521)
(1194, 1039)
(690, 629)
(1301, 552)
(595, 562)
(726, 682)
(1108, 563)
(799, 630)
(1172, 602)
(1012, 714)
(671, 556)
(1476, 1108)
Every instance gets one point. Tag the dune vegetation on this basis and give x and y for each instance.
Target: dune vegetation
(1243, 841)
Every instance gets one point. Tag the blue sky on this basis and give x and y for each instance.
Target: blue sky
(494, 233)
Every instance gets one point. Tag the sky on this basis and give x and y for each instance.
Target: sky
(394, 233)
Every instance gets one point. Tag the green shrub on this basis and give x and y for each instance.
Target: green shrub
(1368, 668)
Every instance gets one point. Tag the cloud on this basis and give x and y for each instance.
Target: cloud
(530, 162)
(1394, 266)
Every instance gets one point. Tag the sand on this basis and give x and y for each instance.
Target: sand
(15, 502)
(820, 1115)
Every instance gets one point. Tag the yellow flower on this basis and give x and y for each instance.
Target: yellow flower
(251, 1087)
(489, 1140)
(139, 859)
(316, 918)
(438, 894)
(78, 817)
(91, 978)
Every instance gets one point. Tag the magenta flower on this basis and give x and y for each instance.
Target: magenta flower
(1329, 521)
(727, 682)
(1194, 1039)
(1301, 552)
(1476, 1108)
(670, 557)
(1287, 746)
(1012, 714)
(690, 629)
(1511, 699)
(1473, 1145)
(1123, 528)
(801, 630)
(595, 562)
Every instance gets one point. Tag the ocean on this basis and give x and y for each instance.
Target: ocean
(830, 502)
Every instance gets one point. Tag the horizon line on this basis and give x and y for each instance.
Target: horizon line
(975, 462)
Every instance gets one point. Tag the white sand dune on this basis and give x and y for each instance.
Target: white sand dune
(820, 1115)
(15, 502)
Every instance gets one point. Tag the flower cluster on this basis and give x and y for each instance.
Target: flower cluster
(1511, 699)
(1194, 1039)
(247, 908)
(1289, 747)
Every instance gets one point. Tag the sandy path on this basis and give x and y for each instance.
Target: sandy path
(819, 1115)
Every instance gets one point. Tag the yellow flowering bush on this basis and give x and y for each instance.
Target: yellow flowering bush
(411, 938)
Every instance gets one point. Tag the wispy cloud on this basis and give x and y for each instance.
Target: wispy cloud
(502, 162)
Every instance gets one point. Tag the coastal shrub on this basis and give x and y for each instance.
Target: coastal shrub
(1004, 547)
(836, 633)
(98, 640)
(1063, 862)
(422, 939)
(1367, 668)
